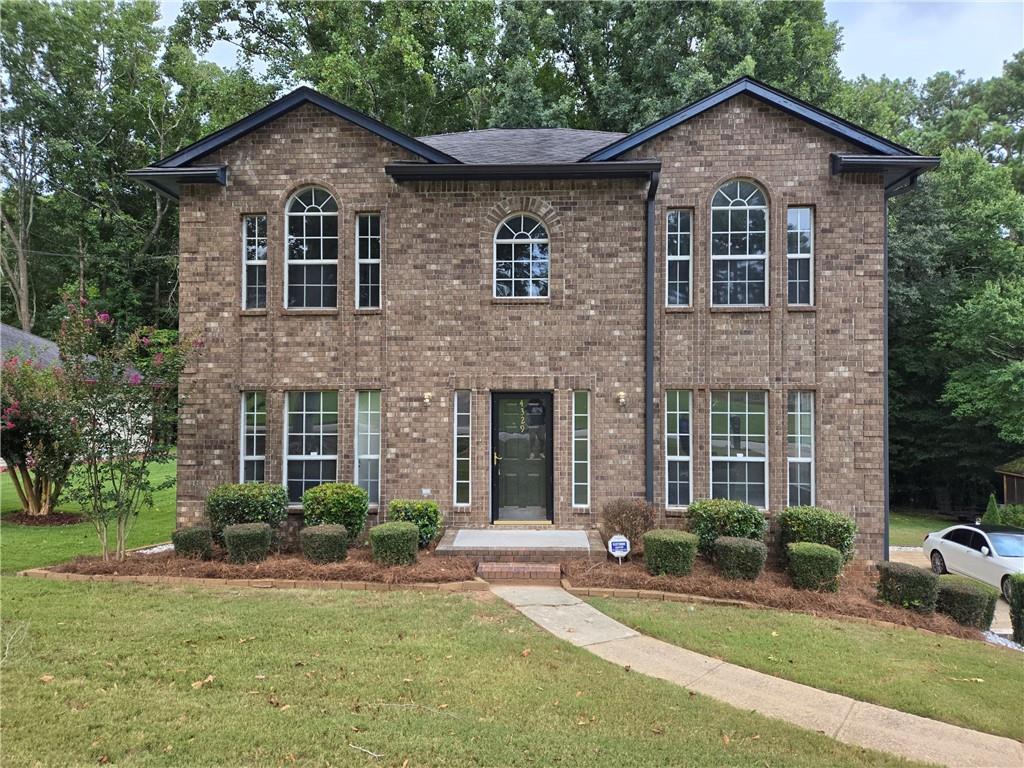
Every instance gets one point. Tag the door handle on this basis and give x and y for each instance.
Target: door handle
(497, 457)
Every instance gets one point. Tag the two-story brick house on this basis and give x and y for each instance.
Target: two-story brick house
(523, 324)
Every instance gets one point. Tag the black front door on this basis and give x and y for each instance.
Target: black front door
(521, 457)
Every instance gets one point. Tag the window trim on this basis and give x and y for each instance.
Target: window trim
(767, 246)
(589, 459)
(812, 460)
(455, 449)
(530, 241)
(669, 258)
(286, 432)
(288, 260)
(379, 261)
(810, 257)
(243, 457)
(246, 263)
(746, 459)
(689, 456)
(380, 444)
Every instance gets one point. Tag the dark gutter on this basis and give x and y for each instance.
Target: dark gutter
(634, 169)
(652, 191)
(895, 171)
(167, 181)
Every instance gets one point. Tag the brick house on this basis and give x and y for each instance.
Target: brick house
(523, 324)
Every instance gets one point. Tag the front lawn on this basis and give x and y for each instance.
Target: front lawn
(958, 681)
(156, 676)
(23, 546)
(907, 528)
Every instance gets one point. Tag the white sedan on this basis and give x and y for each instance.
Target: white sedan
(988, 553)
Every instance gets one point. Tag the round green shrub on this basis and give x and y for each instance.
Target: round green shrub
(669, 552)
(235, 503)
(425, 515)
(196, 543)
(247, 542)
(1017, 607)
(336, 504)
(324, 543)
(814, 566)
(738, 558)
(711, 518)
(967, 601)
(908, 586)
(394, 543)
(818, 525)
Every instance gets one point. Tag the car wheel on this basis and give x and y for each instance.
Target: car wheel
(1005, 588)
(938, 564)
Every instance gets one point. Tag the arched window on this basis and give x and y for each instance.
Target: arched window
(521, 258)
(739, 244)
(311, 250)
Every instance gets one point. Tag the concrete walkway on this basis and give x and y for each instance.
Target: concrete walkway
(844, 719)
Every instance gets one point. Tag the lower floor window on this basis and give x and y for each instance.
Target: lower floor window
(677, 447)
(311, 441)
(739, 454)
(463, 425)
(254, 436)
(800, 448)
(368, 443)
(581, 449)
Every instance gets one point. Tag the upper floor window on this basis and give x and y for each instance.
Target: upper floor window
(521, 258)
(678, 250)
(368, 261)
(739, 245)
(254, 259)
(800, 255)
(311, 250)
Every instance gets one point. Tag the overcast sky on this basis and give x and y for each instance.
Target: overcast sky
(898, 39)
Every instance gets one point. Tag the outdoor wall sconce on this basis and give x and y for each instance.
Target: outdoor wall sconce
(620, 398)
(427, 397)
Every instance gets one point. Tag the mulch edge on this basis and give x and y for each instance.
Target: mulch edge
(476, 585)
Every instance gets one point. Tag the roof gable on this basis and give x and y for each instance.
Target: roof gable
(747, 85)
(287, 103)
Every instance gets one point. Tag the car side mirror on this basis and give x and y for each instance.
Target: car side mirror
(984, 550)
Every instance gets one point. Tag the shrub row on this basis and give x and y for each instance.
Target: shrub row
(738, 558)
(394, 543)
(814, 566)
(324, 543)
(712, 518)
(964, 600)
(1017, 607)
(669, 552)
(236, 503)
(196, 543)
(820, 526)
(247, 542)
(1007, 514)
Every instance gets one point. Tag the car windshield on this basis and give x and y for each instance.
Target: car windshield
(1008, 544)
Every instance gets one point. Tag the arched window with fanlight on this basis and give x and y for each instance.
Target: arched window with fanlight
(739, 245)
(311, 250)
(521, 258)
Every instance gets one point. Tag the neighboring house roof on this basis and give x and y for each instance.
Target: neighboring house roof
(521, 145)
(14, 341)
(1015, 467)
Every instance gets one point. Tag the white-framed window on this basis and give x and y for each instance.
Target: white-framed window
(367, 469)
(521, 258)
(739, 245)
(581, 448)
(678, 249)
(678, 437)
(311, 250)
(800, 255)
(254, 437)
(463, 447)
(739, 446)
(254, 261)
(800, 448)
(368, 260)
(311, 441)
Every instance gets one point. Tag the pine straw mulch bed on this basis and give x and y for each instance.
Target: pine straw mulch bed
(856, 596)
(54, 518)
(358, 566)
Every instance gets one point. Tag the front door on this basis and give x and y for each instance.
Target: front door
(521, 457)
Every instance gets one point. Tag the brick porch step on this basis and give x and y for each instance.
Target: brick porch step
(521, 546)
(532, 573)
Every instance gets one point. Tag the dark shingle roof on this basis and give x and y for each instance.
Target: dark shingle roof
(14, 341)
(1015, 467)
(521, 145)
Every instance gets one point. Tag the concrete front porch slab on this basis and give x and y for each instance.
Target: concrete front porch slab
(521, 545)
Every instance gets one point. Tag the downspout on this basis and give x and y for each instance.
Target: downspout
(652, 190)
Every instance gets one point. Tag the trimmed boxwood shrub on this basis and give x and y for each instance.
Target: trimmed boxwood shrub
(324, 543)
(235, 503)
(669, 552)
(247, 542)
(711, 518)
(814, 566)
(425, 515)
(818, 525)
(908, 586)
(630, 517)
(196, 543)
(738, 558)
(967, 601)
(336, 504)
(394, 543)
(1017, 607)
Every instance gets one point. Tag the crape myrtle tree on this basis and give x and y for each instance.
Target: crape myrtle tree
(123, 393)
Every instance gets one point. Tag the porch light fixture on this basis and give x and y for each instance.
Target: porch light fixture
(620, 398)
(427, 397)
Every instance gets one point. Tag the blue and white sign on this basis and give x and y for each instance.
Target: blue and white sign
(618, 546)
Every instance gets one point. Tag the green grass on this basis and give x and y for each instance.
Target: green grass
(911, 671)
(23, 546)
(907, 528)
(107, 670)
